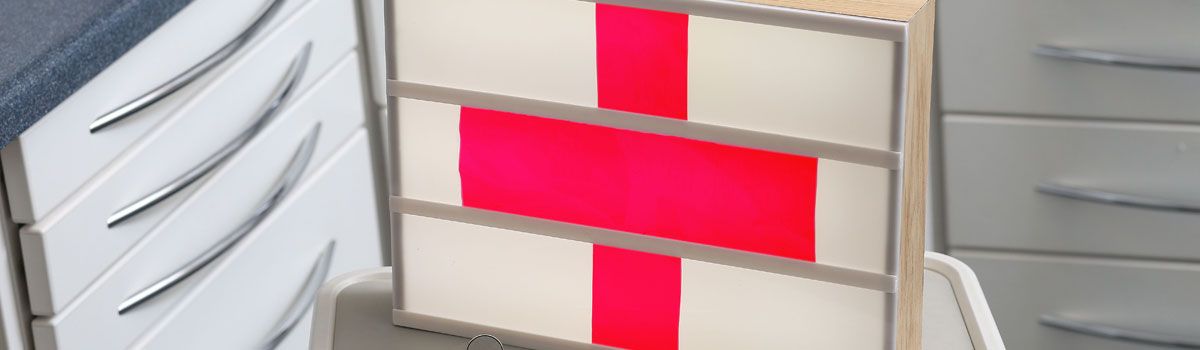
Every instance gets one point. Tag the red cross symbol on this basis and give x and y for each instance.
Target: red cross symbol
(637, 182)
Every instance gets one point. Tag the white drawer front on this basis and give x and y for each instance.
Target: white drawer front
(987, 64)
(267, 274)
(64, 256)
(343, 183)
(851, 214)
(994, 166)
(52, 161)
(548, 290)
(1129, 295)
(788, 81)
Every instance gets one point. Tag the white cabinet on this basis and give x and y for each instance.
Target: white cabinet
(265, 278)
(66, 249)
(270, 156)
(56, 156)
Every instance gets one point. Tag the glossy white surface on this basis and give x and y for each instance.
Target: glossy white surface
(265, 272)
(67, 249)
(108, 268)
(92, 319)
(52, 159)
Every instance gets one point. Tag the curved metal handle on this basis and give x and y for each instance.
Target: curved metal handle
(308, 293)
(1117, 59)
(1111, 332)
(286, 182)
(189, 75)
(1112, 198)
(290, 82)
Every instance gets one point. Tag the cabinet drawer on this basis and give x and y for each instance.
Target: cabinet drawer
(49, 164)
(994, 167)
(789, 81)
(1155, 297)
(988, 65)
(63, 256)
(278, 261)
(264, 269)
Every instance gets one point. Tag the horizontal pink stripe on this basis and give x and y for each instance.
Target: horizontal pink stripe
(657, 185)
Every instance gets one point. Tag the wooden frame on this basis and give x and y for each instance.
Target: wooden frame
(909, 24)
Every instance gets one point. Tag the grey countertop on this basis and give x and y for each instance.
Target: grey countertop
(51, 48)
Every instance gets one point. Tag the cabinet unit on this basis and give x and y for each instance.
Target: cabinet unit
(66, 251)
(237, 191)
(1070, 166)
(50, 161)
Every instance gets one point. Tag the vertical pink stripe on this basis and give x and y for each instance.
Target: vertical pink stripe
(635, 299)
(641, 67)
(641, 60)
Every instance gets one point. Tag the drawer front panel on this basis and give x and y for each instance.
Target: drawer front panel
(53, 161)
(995, 165)
(1129, 295)
(65, 256)
(93, 321)
(268, 273)
(548, 288)
(987, 64)
(787, 81)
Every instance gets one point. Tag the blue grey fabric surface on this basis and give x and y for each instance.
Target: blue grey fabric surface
(51, 48)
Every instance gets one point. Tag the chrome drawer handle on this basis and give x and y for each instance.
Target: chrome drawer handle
(189, 75)
(1111, 332)
(308, 293)
(284, 185)
(1128, 200)
(290, 82)
(1117, 59)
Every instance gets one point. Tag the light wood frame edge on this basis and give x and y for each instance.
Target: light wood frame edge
(914, 176)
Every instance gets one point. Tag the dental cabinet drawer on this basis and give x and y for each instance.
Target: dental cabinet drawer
(55, 156)
(1036, 298)
(1095, 187)
(279, 262)
(1071, 58)
(63, 256)
(252, 284)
